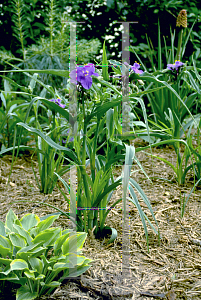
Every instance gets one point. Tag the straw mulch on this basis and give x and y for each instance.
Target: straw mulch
(171, 270)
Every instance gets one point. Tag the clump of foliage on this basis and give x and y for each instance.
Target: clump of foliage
(37, 257)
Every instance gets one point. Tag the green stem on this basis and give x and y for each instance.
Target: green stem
(94, 152)
(179, 45)
(83, 169)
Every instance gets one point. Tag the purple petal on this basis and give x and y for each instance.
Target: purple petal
(136, 65)
(136, 70)
(175, 66)
(62, 105)
(90, 70)
(179, 63)
(86, 82)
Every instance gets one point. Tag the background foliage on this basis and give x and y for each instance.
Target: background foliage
(99, 17)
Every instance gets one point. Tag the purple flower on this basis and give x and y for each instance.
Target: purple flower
(176, 66)
(58, 101)
(71, 139)
(135, 67)
(83, 75)
(65, 141)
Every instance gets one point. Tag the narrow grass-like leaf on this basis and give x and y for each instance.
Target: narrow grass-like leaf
(50, 142)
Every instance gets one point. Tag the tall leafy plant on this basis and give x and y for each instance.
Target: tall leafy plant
(182, 82)
(172, 104)
(94, 190)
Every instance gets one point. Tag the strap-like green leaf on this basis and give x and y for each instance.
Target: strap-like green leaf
(105, 65)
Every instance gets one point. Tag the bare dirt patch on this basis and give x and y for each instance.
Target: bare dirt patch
(171, 270)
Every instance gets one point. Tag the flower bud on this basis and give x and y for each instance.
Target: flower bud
(182, 18)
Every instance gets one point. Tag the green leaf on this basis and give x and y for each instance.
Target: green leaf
(32, 83)
(62, 73)
(81, 260)
(5, 251)
(110, 188)
(60, 266)
(24, 293)
(36, 264)
(39, 277)
(5, 261)
(78, 271)
(59, 242)
(10, 220)
(46, 236)
(5, 242)
(2, 229)
(29, 220)
(9, 277)
(54, 237)
(101, 181)
(110, 122)
(52, 284)
(23, 233)
(53, 106)
(17, 240)
(105, 65)
(30, 248)
(20, 147)
(30, 274)
(137, 204)
(45, 224)
(18, 264)
(74, 243)
(113, 235)
(50, 142)
(23, 254)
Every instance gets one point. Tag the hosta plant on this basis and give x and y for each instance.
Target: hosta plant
(38, 257)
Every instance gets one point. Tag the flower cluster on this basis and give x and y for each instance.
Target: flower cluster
(65, 141)
(176, 66)
(135, 68)
(58, 101)
(83, 75)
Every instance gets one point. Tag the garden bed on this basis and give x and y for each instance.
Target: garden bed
(169, 271)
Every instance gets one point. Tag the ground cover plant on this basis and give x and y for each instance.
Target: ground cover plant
(89, 134)
(26, 260)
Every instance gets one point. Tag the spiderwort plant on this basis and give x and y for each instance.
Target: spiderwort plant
(49, 160)
(171, 105)
(98, 187)
(94, 191)
(177, 76)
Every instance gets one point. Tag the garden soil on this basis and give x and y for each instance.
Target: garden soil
(171, 270)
